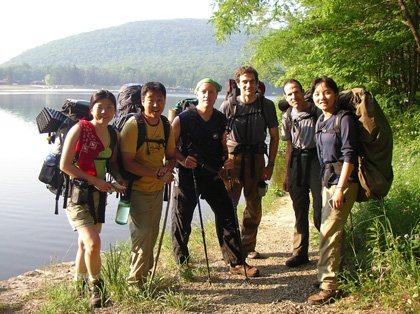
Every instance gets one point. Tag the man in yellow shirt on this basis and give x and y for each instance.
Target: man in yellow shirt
(147, 162)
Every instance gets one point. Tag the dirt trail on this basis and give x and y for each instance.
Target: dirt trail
(278, 290)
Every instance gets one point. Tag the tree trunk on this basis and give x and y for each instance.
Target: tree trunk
(411, 22)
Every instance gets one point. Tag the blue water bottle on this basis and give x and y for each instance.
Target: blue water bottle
(123, 211)
(50, 159)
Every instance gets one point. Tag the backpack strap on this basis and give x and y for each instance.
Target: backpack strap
(337, 121)
(166, 128)
(186, 135)
(231, 112)
(113, 138)
(288, 114)
(261, 104)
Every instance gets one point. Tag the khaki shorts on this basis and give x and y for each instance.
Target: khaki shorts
(79, 215)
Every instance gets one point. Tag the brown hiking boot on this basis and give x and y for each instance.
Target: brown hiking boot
(324, 297)
(240, 270)
(97, 290)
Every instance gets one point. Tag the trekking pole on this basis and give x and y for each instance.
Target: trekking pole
(201, 223)
(167, 196)
(238, 231)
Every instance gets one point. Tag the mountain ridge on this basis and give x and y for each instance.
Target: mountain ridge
(157, 42)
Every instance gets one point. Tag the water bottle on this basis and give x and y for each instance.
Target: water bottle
(50, 159)
(123, 211)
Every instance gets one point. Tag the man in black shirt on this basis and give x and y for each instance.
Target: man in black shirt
(201, 137)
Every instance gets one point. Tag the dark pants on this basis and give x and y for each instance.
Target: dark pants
(307, 179)
(211, 189)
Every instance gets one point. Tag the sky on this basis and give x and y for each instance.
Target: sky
(26, 24)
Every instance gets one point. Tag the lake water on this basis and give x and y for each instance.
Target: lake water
(31, 236)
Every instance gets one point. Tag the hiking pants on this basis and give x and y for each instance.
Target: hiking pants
(305, 176)
(145, 213)
(331, 239)
(211, 189)
(251, 168)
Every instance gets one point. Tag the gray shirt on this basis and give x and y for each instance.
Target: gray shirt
(299, 127)
(251, 123)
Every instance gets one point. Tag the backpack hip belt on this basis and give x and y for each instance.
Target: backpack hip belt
(329, 169)
(81, 193)
(250, 149)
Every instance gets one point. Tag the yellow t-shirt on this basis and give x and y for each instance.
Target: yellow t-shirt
(150, 154)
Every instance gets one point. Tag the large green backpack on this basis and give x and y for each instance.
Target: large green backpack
(376, 141)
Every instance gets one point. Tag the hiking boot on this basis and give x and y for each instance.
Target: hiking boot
(296, 261)
(254, 255)
(316, 285)
(324, 297)
(97, 290)
(239, 270)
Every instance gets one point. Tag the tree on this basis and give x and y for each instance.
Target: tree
(412, 19)
(357, 42)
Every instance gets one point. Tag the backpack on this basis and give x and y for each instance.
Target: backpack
(128, 104)
(375, 136)
(283, 104)
(57, 124)
(141, 139)
(180, 106)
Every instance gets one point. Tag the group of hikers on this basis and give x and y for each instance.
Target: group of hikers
(215, 155)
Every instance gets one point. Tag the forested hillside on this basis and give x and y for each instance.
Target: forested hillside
(177, 52)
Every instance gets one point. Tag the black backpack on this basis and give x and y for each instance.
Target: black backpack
(141, 139)
(57, 123)
(128, 104)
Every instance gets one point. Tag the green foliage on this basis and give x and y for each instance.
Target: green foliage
(116, 267)
(359, 43)
(64, 298)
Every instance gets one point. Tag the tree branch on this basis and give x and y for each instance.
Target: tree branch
(410, 23)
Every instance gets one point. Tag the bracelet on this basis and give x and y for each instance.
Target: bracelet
(270, 164)
(338, 187)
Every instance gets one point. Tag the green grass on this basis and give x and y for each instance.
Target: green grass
(64, 298)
